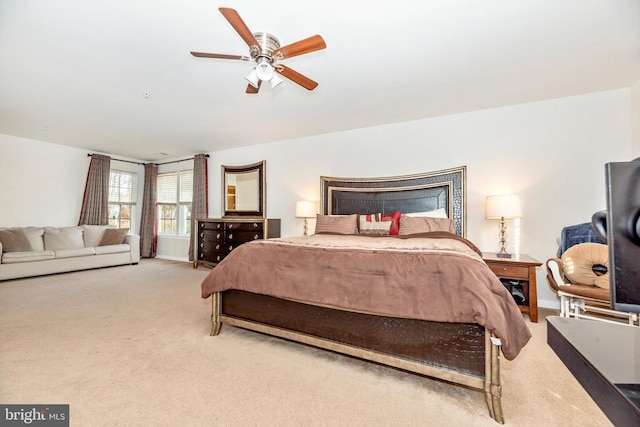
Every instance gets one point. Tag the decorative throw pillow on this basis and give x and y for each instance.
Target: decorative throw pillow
(113, 236)
(395, 222)
(413, 225)
(579, 263)
(337, 224)
(436, 213)
(14, 241)
(373, 224)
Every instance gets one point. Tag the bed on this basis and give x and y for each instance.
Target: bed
(423, 302)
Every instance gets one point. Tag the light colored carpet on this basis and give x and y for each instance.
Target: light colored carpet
(130, 346)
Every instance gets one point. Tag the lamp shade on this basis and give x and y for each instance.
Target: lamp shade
(275, 81)
(252, 78)
(503, 206)
(264, 70)
(305, 209)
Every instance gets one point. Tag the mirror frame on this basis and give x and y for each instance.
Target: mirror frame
(260, 167)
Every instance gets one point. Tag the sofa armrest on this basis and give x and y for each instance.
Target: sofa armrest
(133, 240)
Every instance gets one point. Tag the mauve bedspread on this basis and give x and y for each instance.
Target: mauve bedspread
(437, 277)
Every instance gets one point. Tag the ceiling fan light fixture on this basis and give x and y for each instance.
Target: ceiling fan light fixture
(252, 78)
(264, 69)
(275, 81)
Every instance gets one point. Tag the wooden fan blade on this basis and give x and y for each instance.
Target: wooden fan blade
(251, 89)
(296, 77)
(219, 55)
(238, 24)
(308, 45)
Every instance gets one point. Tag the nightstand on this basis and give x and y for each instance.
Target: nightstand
(519, 270)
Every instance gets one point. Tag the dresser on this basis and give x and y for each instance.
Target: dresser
(217, 237)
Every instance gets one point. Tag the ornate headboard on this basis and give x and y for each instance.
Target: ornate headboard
(408, 193)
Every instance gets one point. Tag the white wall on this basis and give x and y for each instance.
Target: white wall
(635, 119)
(551, 153)
(43, 184)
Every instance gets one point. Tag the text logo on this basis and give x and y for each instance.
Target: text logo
(34, 415)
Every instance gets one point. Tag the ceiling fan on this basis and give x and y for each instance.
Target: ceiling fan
(265, 51)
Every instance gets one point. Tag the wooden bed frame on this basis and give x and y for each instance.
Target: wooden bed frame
(462, 353)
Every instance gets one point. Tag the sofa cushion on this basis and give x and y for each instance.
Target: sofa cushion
(15, 257)
(92, 234)
(63, 238)
(112, 249)
(34, 234)
(113, 236)
(72, 253)
(14, 240)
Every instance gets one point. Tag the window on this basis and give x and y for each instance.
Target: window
(175, 192)
(123, 188)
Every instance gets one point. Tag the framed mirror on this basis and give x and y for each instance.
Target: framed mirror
(244, 190)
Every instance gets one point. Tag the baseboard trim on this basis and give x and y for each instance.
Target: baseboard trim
(549, 304)
(175, 258)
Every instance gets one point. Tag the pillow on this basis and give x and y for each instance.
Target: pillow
(413, 225)
(113, 236)
(580, 261)
(34, 235)
(14, 241)
(373, 224)
(63, 238)
(93, 235)
(337, 224)
(436, 213)
(395, 219)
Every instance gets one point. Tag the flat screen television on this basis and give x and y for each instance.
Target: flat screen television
(619, 226)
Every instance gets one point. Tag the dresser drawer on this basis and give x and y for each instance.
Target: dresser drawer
(245, 226)
(239, 236)
(209, 246)
(207, 225)
(211, 256)
(211, 236)
(509, 271)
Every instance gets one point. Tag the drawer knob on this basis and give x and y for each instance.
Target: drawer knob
(230, 236)
(256, 237)
(255, 225)
(218, 236)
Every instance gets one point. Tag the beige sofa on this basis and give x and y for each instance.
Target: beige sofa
(36, 251)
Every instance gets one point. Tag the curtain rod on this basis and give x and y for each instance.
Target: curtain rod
(120, 160)
(157, 164)
(178, 161)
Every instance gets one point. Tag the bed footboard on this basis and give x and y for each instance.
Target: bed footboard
(460, 353)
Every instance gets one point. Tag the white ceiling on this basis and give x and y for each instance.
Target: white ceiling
(75, 72)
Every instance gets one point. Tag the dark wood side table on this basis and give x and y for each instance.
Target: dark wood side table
(523, 269)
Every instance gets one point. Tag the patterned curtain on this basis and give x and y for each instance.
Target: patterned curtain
(148, 231)
(95, 204)
(200, 201)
